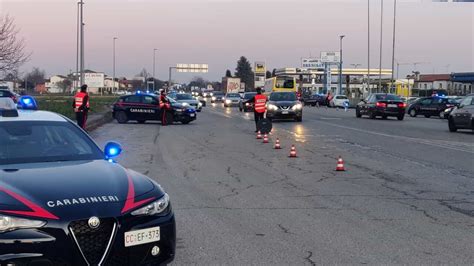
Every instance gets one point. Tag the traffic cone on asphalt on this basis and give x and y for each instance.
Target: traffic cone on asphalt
(259, 135)
(277, 144)
(293, 151)
(340, 165)
(265, 138)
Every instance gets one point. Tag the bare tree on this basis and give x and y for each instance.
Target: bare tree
(12, 48)
(64, 85)
(36, 76)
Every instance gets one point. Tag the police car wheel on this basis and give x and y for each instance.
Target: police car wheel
(121, 117)
(413, 113)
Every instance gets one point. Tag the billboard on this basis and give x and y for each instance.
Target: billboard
(330, 57)
(192, 68)
(94, 80)
(260, 68)
(311, 63)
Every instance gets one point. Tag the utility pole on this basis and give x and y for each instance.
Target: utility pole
(381, 42)
(393, 38)
(368, 47)
(113, 79)
(76, 75)
(81, 3)
(340, 64)
(154, 54)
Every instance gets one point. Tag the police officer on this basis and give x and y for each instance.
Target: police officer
(259, 102)
(164, 106)
(81, 106)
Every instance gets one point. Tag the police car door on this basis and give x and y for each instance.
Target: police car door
(131, 105)
(151, 107)
(426, 105)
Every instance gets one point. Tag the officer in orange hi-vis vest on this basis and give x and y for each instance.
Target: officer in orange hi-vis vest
(81, 106)
(260, 106)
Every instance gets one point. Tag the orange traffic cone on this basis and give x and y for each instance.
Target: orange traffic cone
(293, 151)
(340, 165)
(265, 138)
(277, 144)
(259, 135)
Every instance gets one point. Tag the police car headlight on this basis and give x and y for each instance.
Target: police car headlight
(247, 104)
(156, 207)
(8, 223)
(213, 98)
(272, 107)
(297, 106)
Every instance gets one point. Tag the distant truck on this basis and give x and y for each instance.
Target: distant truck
(230, 85)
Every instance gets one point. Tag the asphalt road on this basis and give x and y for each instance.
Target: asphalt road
(407, 195)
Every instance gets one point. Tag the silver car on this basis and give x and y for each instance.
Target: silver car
(231, 99)
(187, 98)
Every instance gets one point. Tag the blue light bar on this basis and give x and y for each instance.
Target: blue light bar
(27, 103)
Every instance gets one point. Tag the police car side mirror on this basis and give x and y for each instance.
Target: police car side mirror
(112, 150)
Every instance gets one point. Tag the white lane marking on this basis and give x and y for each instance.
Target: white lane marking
(433, 143)
(330, 118)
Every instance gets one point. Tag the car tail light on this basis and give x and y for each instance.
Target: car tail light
(379, 104)
(402, 105)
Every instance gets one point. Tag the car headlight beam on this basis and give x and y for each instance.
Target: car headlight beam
(272, 107)
(155, 207)
(297, 106)
(8, 223)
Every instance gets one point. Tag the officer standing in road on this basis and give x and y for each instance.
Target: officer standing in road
(81, 106)
(164, 106)
(260, 107)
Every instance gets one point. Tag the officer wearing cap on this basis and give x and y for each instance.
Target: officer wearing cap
(81, 106)
(260, 107)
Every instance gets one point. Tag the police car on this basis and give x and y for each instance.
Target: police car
(143, 107)
(64, 201)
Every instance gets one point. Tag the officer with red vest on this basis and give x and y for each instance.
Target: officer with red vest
(260, 106)
(165, 107)
(81, 106)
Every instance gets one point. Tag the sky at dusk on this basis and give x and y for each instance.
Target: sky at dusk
(218, 32)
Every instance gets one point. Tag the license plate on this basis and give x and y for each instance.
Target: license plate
(392, 106)
(140, 237)
(192, 115)
(284, 112)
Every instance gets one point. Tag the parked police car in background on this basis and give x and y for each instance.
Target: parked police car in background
(143, 106)
(64, 201)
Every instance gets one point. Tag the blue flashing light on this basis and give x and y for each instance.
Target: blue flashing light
(27, 103)
(112, 150)
(147, 92)
(139, 92)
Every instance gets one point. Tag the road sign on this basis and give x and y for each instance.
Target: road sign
(330, 57)
(260, 68)
(312, 63)
(192, 68)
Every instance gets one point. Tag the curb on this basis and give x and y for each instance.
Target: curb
(99, 120)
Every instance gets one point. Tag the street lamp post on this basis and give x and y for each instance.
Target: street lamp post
(154, 62)
(113, 70)
(81, 3)
(381, 46)
(368, 47)
(340, 63)
(393, 38)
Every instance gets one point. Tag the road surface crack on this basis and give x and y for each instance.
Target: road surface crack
(309, 258)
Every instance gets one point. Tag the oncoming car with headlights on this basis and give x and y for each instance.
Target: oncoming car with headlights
(284, 105)
(60, 191)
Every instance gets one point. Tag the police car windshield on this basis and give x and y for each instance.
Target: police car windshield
(184, 97)
(283, 96)
(44, 141)
(233, 95)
